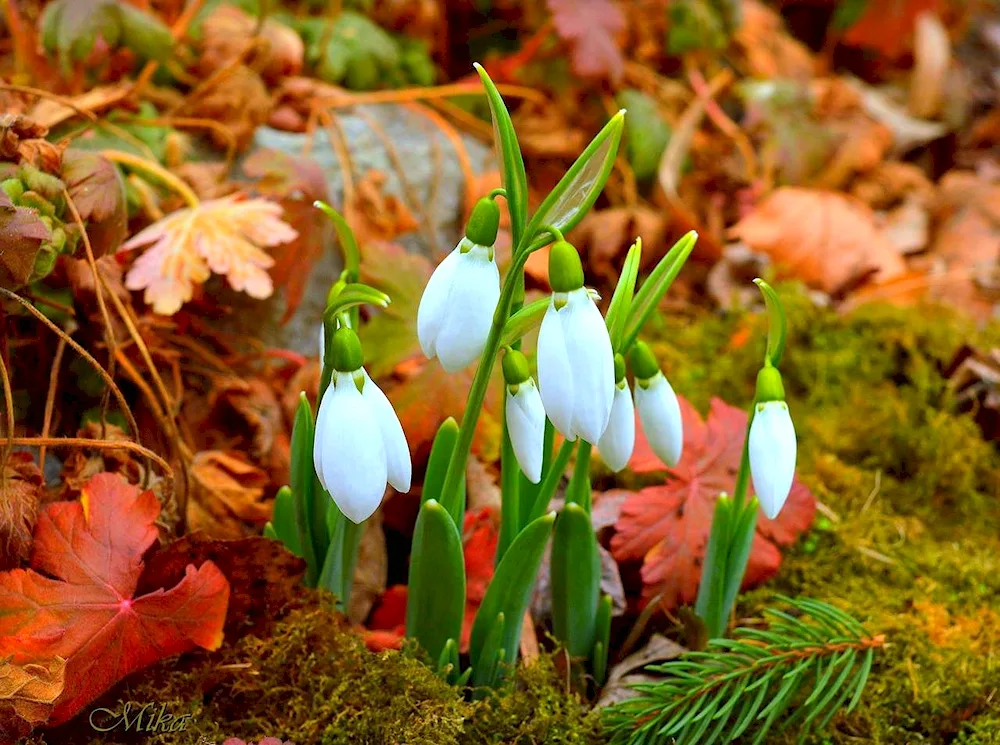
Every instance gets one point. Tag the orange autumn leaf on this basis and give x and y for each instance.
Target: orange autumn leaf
(887, 25)
(824, 238)
(226, 236)
(77, 600)
(666, 526)
(27, 695)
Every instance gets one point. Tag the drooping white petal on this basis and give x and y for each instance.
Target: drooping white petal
(434, 302)
(352, 453)
(399, 467)
(526, 424)
(322, 417)
(322, 345)
(475, 292)
(618, 440)
(592, 365)
(772, 450)
(660, 414)
(555, 377)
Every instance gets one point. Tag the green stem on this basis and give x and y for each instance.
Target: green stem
(578, 491)
(551, 480)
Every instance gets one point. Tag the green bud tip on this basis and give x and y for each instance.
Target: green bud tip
(769, 385)
(347, 355)
(484, 223)
(619, 368)
(644, 364)
(515, 367)
(565, 269)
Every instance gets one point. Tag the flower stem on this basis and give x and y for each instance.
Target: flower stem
(477, 393)
(156, 170)
(578, 491)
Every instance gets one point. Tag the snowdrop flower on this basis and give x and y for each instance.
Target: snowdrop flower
(457, 307)
(359, 445)
(525, 415)
(618, 440)
(576, 368)
(771, 445)
(659, 410)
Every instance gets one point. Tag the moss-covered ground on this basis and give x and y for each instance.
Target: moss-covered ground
(908, 536)
(907, 540)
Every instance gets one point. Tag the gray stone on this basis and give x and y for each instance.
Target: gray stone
(427, 160)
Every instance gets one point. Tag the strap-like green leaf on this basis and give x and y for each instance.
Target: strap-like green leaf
(509, 591)
(486, 667)
(348, 243)
(527, 318)
(310, 511)
(602, 636)
(621, 300)
(575, 580)
(435, 603)
(655, 287)
(777, 325)
(711, 590)
(579, 188)
(437, 468)
(283, 525)
(514, 179)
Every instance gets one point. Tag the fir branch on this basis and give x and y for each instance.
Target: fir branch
(808, 664)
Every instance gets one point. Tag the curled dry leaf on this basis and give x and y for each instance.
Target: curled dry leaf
(376, 216)
(21, 486)
(227, 498)
(371, 571)
(824, 238)
(240, 101)
(606, 236)
(887, 25)
(768, 51)
(228, 32)
(27, 695)
(667, 526)
(78, 600)
(226, 236)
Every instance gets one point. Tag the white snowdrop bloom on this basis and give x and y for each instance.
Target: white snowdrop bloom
(618, 440)
(659, 410)
(457, 307)
(524, 414)
(576, 368)
(359, 445)
(772, 450)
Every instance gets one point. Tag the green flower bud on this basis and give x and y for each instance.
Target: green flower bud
(565, 269)
(34, 200)
(769, 385)
(13, 188)
(45, 262)
(619, 368)
(58, 239)
(644, 364)
(515, 367)
(347, 354)
(48, 186)
(484, 223)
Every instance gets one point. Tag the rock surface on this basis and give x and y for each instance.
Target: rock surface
(430, 166)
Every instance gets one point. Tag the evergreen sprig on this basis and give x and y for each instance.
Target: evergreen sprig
(810, 661)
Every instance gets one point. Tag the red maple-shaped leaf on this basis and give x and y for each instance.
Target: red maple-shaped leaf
(590, 27)
(76, 601)
(667, 525)
(387, 624)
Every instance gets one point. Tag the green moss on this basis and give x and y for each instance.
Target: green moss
(909, 534)
(314, 682)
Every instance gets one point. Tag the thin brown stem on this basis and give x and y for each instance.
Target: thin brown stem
(50, 398)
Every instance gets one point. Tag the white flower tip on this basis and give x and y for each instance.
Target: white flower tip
(772, 449)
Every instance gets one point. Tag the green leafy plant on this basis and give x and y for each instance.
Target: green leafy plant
(802, 669)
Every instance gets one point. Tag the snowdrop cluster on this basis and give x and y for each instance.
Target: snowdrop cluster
(581, 387)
